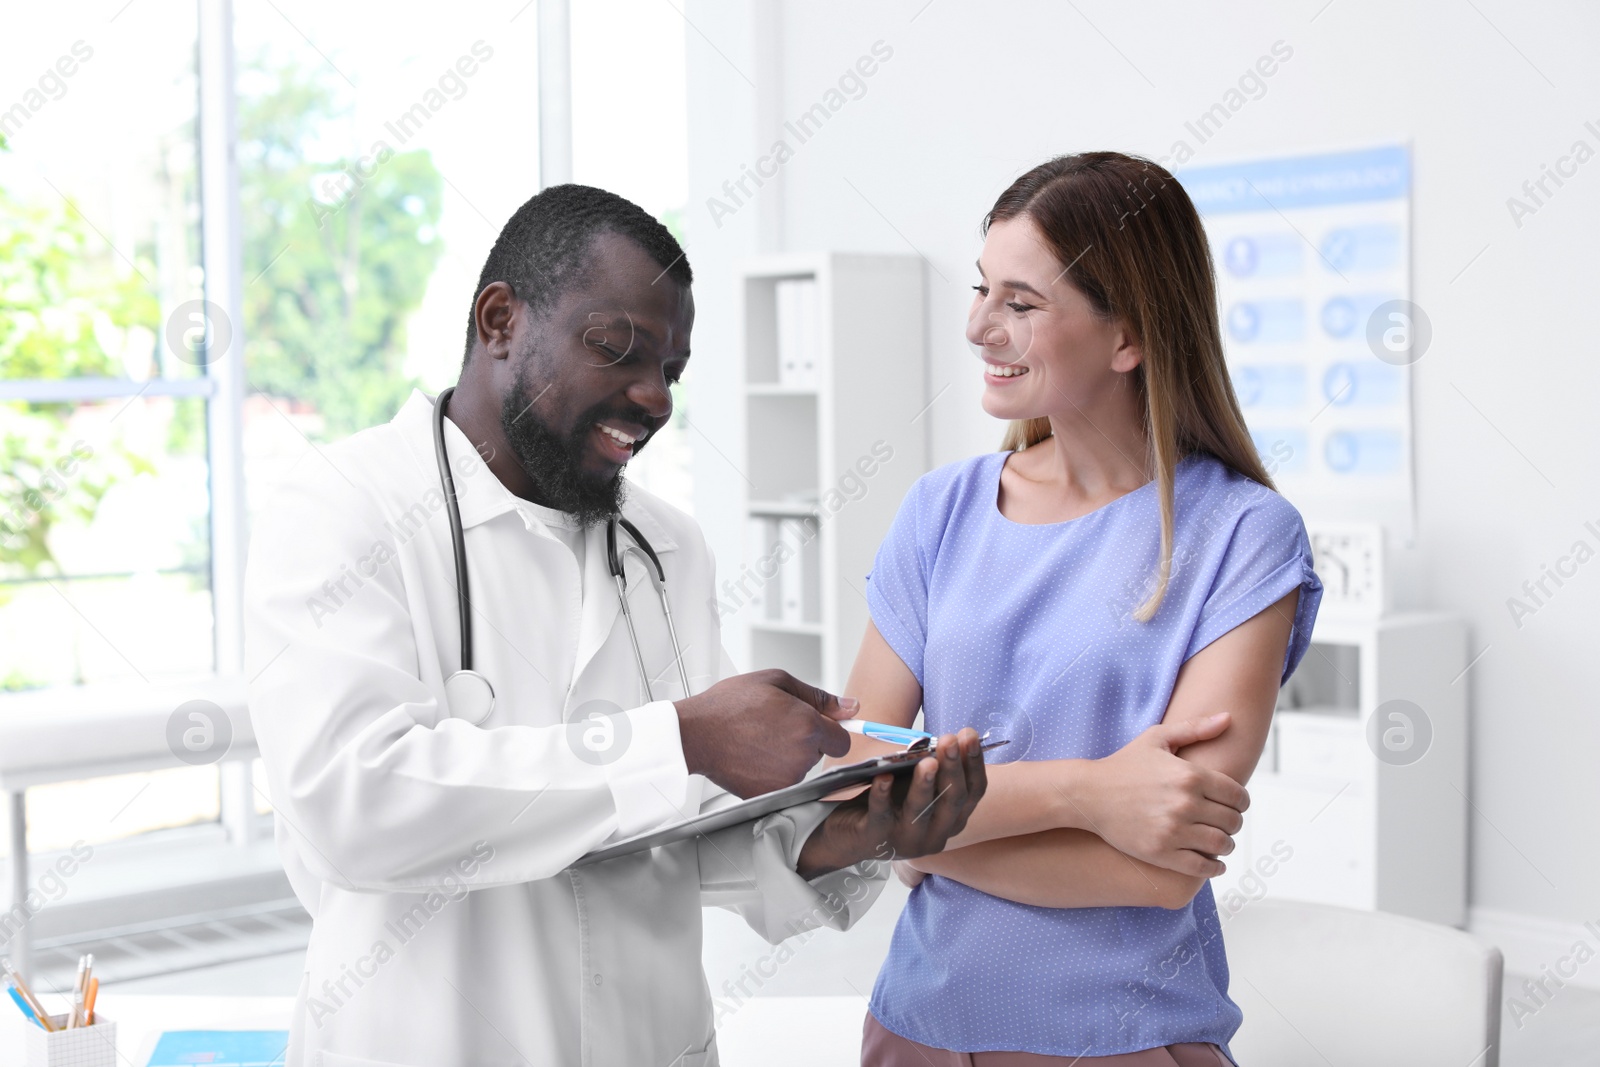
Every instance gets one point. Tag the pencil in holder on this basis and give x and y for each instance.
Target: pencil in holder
(84, 1046)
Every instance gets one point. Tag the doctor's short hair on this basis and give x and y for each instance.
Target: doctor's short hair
(543, 249)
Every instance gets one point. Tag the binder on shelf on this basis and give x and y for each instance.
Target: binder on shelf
(791, 574)
(798, 577)
(799, 332)
(762, 535)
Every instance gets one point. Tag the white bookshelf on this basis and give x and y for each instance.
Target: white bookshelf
(814, 452)
(1364, 832)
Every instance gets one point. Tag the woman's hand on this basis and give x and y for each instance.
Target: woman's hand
(1148, 802)
(1141, 827)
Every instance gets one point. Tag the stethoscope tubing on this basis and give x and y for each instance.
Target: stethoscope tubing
(458, 539)
(616, 562)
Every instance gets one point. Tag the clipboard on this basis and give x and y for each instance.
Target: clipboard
(804, 792)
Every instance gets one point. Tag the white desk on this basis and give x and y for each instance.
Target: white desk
(763, 1032)
(140, 1019)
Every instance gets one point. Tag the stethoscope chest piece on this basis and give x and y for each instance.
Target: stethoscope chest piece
(470, 696)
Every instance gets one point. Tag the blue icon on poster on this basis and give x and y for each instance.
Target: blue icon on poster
(1337, 249)
(1345, 317)
(1339, 317)
(1243, 322)
(1375, 246)
(1267, 321)
(1241, 256)
(1263, 255)
(1270, 385)
(1339, 385)
(1365, 384)
(1342, 452)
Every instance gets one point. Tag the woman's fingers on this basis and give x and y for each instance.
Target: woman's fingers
(970, 770)
(1176, 735)
(1209, 841)
(972, 752)
(1224, 818)
(1195, 865)
(1218, 787)
(951, 799)
(1190, 840)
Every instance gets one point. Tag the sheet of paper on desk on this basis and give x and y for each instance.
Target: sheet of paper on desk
(220, 1048)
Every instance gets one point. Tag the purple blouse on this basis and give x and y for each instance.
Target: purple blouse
(1028, 630)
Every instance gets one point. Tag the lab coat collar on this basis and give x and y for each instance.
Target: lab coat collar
(481, 495)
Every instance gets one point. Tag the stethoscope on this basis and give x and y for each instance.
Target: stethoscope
(469, 694)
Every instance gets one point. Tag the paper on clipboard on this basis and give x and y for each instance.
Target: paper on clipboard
(838, 783)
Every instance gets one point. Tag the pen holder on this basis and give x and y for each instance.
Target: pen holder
(87, 1046)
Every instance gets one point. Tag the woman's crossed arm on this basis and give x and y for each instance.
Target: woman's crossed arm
(1141, 827)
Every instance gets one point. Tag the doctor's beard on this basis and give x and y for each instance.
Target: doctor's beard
(553, 461)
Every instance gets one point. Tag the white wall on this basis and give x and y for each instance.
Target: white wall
(1486, 92)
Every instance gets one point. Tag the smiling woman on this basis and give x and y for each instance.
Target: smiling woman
(998, 602)
(1153, 301)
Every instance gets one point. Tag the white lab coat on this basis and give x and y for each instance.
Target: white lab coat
(433, 854)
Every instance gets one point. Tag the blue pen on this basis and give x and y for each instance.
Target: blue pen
(895, 735)
(23, 1004)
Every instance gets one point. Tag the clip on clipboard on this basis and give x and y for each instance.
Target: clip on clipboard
(839, 780)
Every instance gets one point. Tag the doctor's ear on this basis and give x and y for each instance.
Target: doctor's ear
(495, 313)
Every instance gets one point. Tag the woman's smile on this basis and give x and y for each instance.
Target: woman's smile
(1000, 373)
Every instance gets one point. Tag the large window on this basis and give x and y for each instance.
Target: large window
(104, 546)
(105, 532)
(630, 135)
(377, 159)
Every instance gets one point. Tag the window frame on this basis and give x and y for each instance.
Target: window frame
(221, 386)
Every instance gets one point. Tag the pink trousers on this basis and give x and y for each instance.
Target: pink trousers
(882, 1047)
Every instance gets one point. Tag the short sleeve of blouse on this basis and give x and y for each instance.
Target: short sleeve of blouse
(1267, 557)
(897, 587)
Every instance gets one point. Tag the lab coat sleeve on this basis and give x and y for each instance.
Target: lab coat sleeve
(751, 869)
(377, 788)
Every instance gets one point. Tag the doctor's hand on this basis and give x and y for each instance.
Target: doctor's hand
(1152, 804)
(757, 732)
(902, 816)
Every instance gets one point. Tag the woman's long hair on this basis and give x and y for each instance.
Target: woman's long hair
(1134, 246)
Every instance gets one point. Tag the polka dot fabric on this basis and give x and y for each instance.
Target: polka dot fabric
(1028, 630)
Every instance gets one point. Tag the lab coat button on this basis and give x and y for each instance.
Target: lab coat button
(597, 979)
